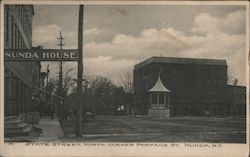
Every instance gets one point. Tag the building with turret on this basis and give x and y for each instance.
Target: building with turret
(198, 87)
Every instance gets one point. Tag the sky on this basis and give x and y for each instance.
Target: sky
(116, 37)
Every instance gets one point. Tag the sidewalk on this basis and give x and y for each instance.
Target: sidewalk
(52, 130)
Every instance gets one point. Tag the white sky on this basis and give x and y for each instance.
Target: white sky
(117, 37)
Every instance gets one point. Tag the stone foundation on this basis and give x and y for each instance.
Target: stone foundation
(158, 112)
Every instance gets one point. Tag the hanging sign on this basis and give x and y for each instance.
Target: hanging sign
(41, 55)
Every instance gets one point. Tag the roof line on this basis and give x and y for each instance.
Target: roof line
(179, 60)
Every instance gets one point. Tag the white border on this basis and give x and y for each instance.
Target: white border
(19, 149)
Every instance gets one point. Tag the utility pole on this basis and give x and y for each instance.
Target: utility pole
(47, 83)
(47, 79)
(60, 74)
(79, 74)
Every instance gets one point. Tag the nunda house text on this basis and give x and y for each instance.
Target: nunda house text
(41, 55)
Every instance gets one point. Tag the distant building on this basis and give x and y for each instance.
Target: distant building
(236, 97)
(198, 86)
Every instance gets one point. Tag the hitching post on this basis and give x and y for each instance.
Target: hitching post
(79, 75)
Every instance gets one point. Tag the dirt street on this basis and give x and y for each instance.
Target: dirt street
(176, 129)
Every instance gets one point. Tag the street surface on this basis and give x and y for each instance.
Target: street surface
(176, 129)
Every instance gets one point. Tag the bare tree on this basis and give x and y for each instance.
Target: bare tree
(127, 84)
(67, 82)
(127, 81)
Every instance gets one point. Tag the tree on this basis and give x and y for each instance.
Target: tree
(126, 80)
(50, 89)
(67, 82)
(101, 95)
(54, 88)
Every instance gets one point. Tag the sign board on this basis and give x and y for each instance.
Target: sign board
(41, 55)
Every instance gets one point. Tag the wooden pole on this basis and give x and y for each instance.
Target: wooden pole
(79, 75)
(59, 106)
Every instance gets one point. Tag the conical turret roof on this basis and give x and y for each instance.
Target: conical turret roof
(159, 87)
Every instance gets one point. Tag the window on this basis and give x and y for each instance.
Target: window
(13, 33)
(16, 37)
(7, 25)
(161, 98)
(19, 40)
(18, 10)
(154, 98)
(22, 17)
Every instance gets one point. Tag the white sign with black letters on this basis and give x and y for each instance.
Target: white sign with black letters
(40, 55)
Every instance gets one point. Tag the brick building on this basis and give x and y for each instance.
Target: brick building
(198, 86)
(23, 81)
(20, 77)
